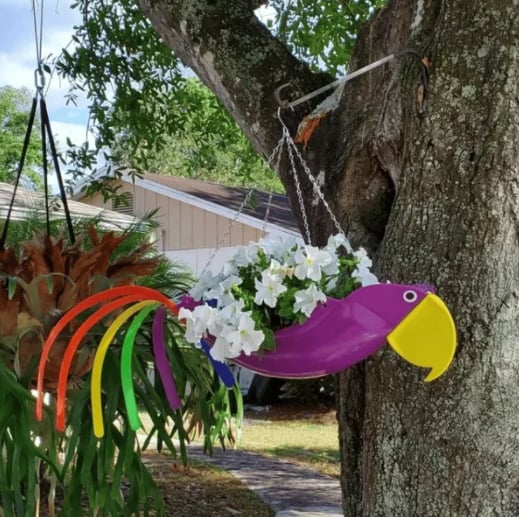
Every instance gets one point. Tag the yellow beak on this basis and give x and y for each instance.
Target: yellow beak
(426, 336)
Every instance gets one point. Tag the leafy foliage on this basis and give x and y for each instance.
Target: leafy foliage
(15, 105)
(133, 81)
(320, 32)
(108, 476)
(209, 146)
(146, 114)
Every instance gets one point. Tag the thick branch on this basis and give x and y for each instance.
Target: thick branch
(237, 57)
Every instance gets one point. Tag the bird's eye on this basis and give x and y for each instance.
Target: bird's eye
(410, 296)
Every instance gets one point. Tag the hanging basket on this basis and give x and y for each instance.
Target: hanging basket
(336, 333)
(45, 278)
(414, 321)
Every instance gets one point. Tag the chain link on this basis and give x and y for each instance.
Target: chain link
(242, 206)
(286, 136)
(316, 187)
(292, 149)
(276, 153)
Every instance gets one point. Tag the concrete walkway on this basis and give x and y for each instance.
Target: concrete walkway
(290, 490)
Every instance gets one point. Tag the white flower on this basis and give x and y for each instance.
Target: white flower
(227, 284)
(268, 289)
(281, 270)
(205, 282)
(333, 267)
(220, 349)
(362, 256)
(277, 246)
(307, 300)
(363, 270)
(245, 338)
(230, 267)
(365, 276)
(338, 240)
(214, 293)
(309, 262)
(197, 321)
(222, 292)
(277, 269)
(232, 312)
(244, 256)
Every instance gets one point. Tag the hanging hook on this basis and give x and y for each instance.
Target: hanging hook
(39, 79)
(277, 95)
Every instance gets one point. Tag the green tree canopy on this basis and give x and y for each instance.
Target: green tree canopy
(15, 105)
(149, 116)
(209, 146)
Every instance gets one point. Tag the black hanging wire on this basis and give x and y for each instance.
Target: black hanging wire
(54, 154)
(46, 134)
(45, 168)
(25, 147)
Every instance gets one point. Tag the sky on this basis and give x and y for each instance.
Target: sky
(18, 60)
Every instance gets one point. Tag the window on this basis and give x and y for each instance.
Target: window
(124, 204)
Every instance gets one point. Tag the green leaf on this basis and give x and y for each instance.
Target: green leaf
(11, 287)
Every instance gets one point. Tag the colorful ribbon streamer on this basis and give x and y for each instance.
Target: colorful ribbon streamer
(72, 347)
(126, 368)
(97, 369)
(220, 368)
(116, 292)
(161, 359)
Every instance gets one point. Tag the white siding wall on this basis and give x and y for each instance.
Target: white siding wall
(187, 234)
(198, 259)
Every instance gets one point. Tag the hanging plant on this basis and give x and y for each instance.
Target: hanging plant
(268, 286)
(44, 278)
(289, 310)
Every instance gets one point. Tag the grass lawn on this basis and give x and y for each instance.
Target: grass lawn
(307, 436)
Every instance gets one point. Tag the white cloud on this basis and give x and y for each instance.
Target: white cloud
(18, 62)
(76, 132)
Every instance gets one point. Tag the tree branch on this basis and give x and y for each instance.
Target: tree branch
(237, 57)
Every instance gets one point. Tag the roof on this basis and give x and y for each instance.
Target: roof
(28, 203)
(225, 200)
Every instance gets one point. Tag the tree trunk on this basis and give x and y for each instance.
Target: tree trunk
(434, 196)
(451, 447)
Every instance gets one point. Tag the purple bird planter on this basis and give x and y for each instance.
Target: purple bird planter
(411, 318)
(338, 334)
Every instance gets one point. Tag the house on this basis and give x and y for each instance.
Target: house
(201, 223)
(32, 204)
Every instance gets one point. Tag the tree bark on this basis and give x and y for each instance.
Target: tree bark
(237, 57)
(450, 447)
(434, 196)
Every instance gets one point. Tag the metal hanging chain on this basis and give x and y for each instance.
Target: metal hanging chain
(294, 151)
(221, 242)
(275, 155)
(293, 168)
